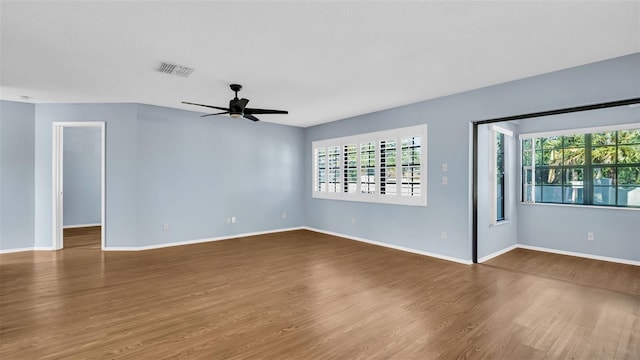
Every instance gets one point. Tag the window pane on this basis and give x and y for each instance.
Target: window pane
(538, 157)
(411, 153)
(604, 175)
(500, 197)
(499, 153)
(573, 186)
(368, 168)
(350, 168)
(527, 178)
(552, 142)
(388, 176)
(629, 196)
(603, 155)
(574, 156)
(538, 144)
(527, 192)
(320, 167)
(552, 157)
(574, 141)
(410, 180)
(629, 175)
(552, 194)
(629, 136)
(604, 195)
(322, 180)
(526, 158)
(604, 191)
(549, 176)
(603, 138)
(629, 154)
(333, 159)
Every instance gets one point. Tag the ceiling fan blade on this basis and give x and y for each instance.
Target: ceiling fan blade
(243, 102)
(220, 113)
(264, 111)
(250, 117)
(209, 106)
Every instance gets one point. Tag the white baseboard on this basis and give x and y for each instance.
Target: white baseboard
(396, 247)
(9, 251)
(582, 255)
(196, 241)
(36, 248)
(80, 226)
(497, 253)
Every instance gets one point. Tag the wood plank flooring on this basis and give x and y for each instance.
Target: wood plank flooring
(300, 295)
(84, 237)
(588, 272)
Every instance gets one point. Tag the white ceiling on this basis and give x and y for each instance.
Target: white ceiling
(322, 61)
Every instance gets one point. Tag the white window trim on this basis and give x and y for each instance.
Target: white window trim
(578, 131)
(376, 137)
(493, 173)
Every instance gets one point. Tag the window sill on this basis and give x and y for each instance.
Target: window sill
(582, 206)
(500, 223)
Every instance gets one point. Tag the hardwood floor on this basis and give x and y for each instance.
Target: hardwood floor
(588, 272)
(84, 237)
(301, 295)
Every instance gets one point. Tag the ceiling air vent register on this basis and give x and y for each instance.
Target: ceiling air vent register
(174, 69)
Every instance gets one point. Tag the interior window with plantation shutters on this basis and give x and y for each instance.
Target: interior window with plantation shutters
(385, 167)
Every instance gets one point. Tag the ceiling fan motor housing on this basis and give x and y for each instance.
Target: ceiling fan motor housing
(235, 108)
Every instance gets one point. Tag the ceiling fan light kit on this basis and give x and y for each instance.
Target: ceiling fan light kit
(238, 107)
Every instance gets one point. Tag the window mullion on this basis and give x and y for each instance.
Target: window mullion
(588, 189)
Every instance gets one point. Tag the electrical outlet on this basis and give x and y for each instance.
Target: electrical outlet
(443, 235)
(233, 219)
(284, 215)
(445, 180)
(165, 226)
(590, 236)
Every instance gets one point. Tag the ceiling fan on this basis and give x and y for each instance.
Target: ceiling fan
(237, 107)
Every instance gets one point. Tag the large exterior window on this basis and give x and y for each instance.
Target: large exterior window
(387, 167)
(589, 167)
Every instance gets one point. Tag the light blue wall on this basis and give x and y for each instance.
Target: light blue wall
(16, 175)
(194, 173)
(82, 176)
(121, 167)
(167, 165)
(616, 231)
(448, 120)
(493, 238)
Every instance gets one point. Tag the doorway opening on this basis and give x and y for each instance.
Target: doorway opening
(85, 210)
